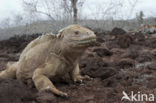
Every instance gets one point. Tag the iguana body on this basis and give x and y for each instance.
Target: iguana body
(50, 56)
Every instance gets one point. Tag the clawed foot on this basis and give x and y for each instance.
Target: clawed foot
(58, 93)
(63, 94)
(80, 79)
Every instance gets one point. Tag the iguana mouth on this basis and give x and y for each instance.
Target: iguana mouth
(86, 42)
(83, 42)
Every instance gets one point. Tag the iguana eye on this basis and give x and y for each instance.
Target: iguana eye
(76, 32)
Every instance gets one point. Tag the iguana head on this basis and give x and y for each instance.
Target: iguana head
(77, 36)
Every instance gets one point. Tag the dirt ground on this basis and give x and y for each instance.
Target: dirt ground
(118, 62)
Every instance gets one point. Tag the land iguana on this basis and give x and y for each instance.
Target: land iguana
(51, 56)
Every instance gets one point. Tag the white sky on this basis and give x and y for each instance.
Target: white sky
(148, 6)
(9, 8)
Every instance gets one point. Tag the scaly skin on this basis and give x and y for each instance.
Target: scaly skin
(51, 57)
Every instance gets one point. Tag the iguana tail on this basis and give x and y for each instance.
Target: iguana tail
(10, 71)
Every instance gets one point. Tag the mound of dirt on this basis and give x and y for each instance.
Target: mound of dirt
(132, 52)
(12, 91)
(125, 40)
(97, 67)
(126, 63)
(17, 43)
(152, 66)
(102, 52)
(117, 31)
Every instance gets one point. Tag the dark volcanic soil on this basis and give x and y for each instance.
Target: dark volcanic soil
(124, 63)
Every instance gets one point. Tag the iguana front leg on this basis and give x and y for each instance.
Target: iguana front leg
(75, 74)
(43, 83)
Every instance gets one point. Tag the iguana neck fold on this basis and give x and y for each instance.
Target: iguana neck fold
(65, 52)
